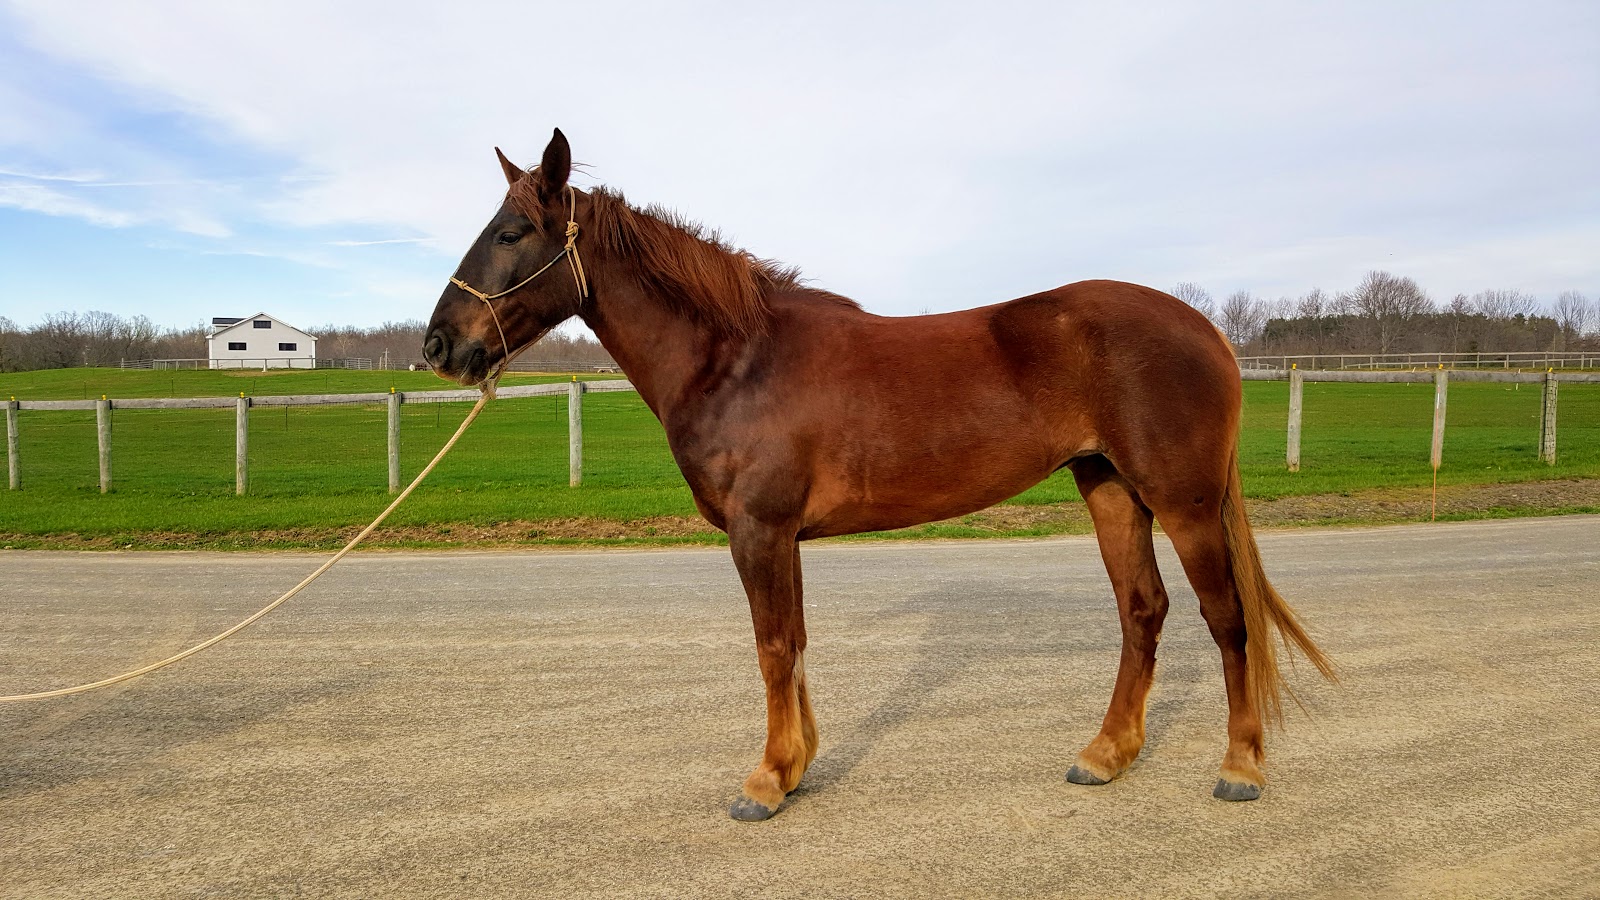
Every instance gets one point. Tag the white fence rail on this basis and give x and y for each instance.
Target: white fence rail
(242, 405)
(1542, 359)
(390, 364)
(303, 362)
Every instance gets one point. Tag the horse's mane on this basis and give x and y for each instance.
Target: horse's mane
(688, 264)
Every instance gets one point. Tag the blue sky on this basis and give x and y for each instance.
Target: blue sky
(328, 163)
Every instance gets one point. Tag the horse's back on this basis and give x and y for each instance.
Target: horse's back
(937, 415)
(1150, 376)
(1109, 329)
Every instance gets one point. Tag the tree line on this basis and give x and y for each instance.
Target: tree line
(1385, 313)
(1388, 313)
(402, 342)
(67, 339)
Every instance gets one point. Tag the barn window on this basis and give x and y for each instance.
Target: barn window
(262, 323)
(288, 346)
(236, 345)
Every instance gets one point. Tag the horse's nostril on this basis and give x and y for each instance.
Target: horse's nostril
(433, 350)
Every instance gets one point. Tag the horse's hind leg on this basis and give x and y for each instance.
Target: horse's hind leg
(1201, 542)
(768, 560)
(1122, 525)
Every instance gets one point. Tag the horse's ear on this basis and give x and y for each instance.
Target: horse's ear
(513, 171)
(555, 167)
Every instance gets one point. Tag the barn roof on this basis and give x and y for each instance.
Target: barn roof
(224, 323)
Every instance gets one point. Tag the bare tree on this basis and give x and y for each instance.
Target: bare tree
(1385, 304)
(1504, 304)
(341, 340)
(181, 343)
(1242, 318)
(1197, 297)
(1312, 310)
(10, 345)
(1313, 304)
(1459, 321)
(56, 342)
(1574, 315)
(109, 338)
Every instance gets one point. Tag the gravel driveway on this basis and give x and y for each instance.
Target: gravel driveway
(574, 723)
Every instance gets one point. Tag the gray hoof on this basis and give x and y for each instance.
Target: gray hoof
(1078, 775)
(746, 810)
(1233, 791)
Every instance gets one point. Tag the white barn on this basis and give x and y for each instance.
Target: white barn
(260, 341)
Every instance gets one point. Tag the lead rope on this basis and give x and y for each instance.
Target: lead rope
(582, 282)
(126, 676)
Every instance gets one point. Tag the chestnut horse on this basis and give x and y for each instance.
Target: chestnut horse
(793, 415)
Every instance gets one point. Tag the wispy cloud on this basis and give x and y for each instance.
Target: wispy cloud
(377, 243)
(70, 177)
(98, 180)
(40, 199)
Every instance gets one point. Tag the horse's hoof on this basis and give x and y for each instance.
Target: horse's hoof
(1234, 791)
(1080, 775)
(746, 810)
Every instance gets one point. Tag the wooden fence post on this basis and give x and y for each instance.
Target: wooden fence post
(1441, 384)
(1297, 389)
(1547, 421)
(102, 427)
(394, 441)
(12, 463)
(575, 432)
(241, 446)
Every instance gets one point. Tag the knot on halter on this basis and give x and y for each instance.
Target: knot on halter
(571, 252)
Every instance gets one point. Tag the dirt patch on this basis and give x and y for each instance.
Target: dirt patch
(574, 529)
(1008, 519)
(1460, 501)
(1382, 506)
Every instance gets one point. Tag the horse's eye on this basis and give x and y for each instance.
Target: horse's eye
(508, 237)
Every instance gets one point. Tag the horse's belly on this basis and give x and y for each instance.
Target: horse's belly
(884, 497)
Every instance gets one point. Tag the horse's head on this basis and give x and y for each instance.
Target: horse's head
(513, 285)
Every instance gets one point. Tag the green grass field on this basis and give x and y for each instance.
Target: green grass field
(321, 467)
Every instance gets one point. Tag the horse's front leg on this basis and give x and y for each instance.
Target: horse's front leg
(768, 559)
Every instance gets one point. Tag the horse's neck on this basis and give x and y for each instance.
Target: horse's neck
(663, 352)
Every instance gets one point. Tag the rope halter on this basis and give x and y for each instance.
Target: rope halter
(574, 262)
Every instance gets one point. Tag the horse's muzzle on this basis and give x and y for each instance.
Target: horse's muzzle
(463, 361)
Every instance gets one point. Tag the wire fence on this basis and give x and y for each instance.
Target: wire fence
(335, 443)
(1541, 360)
(262, 363)
(339, 444)
(382, 363)
(172, 452)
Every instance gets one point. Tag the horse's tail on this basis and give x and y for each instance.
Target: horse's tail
(1264, 609)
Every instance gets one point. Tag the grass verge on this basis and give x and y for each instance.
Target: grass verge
(318, 473)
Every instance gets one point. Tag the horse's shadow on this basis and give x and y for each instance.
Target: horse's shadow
(943, 656)
(936, 666)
